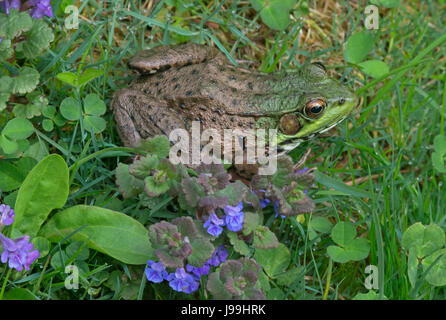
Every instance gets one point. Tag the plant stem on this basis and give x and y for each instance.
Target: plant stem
(327, 285)
(5, 282)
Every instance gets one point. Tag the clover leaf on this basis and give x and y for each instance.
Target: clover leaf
(15, 130)
(349, 248)
(424, 239)
(94, 108)
(274, 13)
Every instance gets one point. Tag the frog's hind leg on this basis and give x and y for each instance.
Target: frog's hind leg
(164, 57)
(139, 116)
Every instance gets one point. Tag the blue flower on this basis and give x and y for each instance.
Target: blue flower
(234, 217)
(42, 8)
(156, 271)
(213, 224)
(182, 282)
(219, 256)
(19, 252)
(8, 5)
(6, 215)
(305, 169)
(198, 272)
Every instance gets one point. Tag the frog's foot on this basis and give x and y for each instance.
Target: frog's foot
(139, 116)
(165, 57)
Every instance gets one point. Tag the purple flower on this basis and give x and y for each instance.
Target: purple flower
(156, 271)
(213, 224)
(198, 272)
(19, 252)
(6, 214)
(234, 217)
(8, 5)
(219, 256)
(305, 169)
(42, 8)
(182, 282)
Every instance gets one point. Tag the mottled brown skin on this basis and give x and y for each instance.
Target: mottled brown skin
(199, 86)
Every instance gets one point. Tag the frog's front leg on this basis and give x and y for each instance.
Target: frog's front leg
(139, 116)
(164, 57)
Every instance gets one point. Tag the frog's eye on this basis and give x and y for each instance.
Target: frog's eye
(320, 65)
(314, 108)
(289, 124)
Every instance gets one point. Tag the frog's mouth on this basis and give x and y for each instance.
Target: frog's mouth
(292, 142)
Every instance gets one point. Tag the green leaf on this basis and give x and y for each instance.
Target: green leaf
(340, 186)
(110, 232)
(234, 191)
(276, 16)
(264, 238)
(93, 105)
(437, 274)
(38, 150)
(371, 295)
(386, 3)
(250, 221)
(238, 245)
(37, 39)
(68, 77)
(343, 233)
(158, 145)
(45, 188)
(438, 156)
(15, 24)
(358, 47)
(26, 81)
(129, 186)
(88, 75)
(28, 111)
(47, 125)
(41, 244)
(72, 249)
(18, 129)
(412, 266)
(8, 146)
(4, 97)
(289, 276)
(94, 124)
(274, 261)
(70, 109)
(202, 250)
(12, 174)
(424, 239)
(19, 294)
(321, 224)
(374, 68)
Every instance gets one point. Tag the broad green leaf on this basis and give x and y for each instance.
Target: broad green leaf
(110, 232)
(37, 39)
(70, 109)
(374, 68)
(94, 124)
(250, 221)
(412, 266)
(371, 295)
(41, 244)
(437, 274)
(321, 224)
(274, 261)
(15, 24)
(18, 129)
(264, 238)
(128, 185)
(289, 276)
(276, 16)
(68, 77)
(202, 250)
(93, 105)
(158, 145)
(88, 75)
(27, 111)
(8, 146)
(26, 81)
(425, 239)
(45, 188)
(72, 249)
(4, 97)
(343, 233)
(12, 174)
(356, 250)
(439, 155)
(238, 245)
(358, 47)
(37, 150)
(19, 294)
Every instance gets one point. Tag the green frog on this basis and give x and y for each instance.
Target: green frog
(191, 82)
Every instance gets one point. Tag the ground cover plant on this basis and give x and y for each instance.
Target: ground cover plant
(360, 216)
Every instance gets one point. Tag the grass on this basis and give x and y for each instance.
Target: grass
(382, 150)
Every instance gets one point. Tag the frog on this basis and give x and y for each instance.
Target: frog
(192, 82)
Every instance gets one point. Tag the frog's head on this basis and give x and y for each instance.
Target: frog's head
(324, 103)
